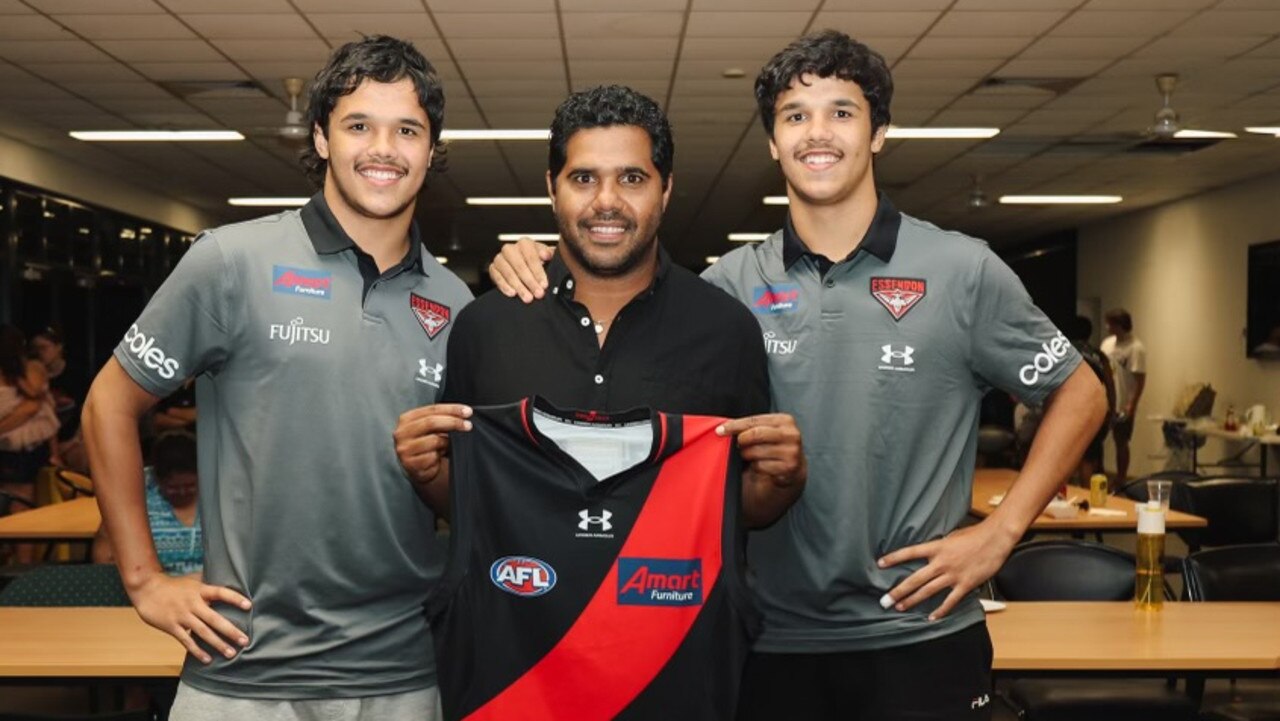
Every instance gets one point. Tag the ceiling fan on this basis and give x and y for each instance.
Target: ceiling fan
(294, 131)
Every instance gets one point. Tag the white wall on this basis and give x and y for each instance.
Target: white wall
(57, 175)
(1180, 271)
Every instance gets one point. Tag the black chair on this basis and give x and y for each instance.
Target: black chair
(1236, 573)
(77, 584)
(1239, 510)
(8, 502)
(1082, 571)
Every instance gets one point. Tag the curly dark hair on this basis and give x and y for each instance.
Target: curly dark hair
(825, 54)
(382, 59)
(1121, 318)
(604, 106)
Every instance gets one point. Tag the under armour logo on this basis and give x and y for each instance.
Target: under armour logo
(904, 355)
(980, 701)
(436, 373)
(589, 520)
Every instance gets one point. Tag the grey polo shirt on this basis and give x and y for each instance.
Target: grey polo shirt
(882, 358)
(303, 364)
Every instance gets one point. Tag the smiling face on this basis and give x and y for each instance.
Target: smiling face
(822, 140)
(609, 200)
(379, 149)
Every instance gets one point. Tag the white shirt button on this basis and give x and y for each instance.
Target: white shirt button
(569, 284)
(599, 379)
(586, 322)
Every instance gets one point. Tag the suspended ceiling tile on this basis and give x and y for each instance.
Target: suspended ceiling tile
(991, 24)
(157, 51)
(104, 71)
(1086, 24)
(126, 27)
(1065, 48)
(247, 7)
(60, 7)
(745, 24)
(50, 51)
(623, 48)
(491, 6)
(599, 25)
(369, 6)
(507, 49)
(173, 72)
(242, 50)
(32, 27)
(230, 26)
(350, 26)
(866, 24)
(502, 25)
(968, 48)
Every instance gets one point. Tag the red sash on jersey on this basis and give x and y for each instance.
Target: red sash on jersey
(613, 651)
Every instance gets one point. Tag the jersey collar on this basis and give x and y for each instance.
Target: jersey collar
(881, 238)
(328, 237)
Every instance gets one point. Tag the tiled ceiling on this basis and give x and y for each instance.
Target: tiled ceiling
(1085, 92)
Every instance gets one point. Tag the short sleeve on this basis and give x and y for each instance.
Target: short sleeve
(1138, 359)
(1013, 344)
(183, 331)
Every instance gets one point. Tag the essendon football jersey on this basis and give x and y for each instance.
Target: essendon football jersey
(582, 585)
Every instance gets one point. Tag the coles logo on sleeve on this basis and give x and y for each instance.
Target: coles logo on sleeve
(300, 281)
(432, 315)
(659, 582)
(522, 575)
(898, 295)
(144, 347)
(1051, 353)
(775, 299)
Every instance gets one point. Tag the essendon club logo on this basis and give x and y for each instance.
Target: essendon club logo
(432, 315)
(897, 295)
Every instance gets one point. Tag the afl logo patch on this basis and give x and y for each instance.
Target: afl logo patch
(897, 295)
(522, 575)
(432, 315)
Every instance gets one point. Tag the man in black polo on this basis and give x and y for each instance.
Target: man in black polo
(627, 327)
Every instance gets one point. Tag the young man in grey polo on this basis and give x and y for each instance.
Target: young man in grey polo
(308, 332)
(883, 332)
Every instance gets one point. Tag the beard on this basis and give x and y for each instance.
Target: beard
(617, 262)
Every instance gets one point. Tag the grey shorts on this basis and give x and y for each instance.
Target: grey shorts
(192, 704)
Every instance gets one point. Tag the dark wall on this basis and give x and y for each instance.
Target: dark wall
(1047, 267)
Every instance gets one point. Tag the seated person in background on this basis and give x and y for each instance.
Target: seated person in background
(171, 507)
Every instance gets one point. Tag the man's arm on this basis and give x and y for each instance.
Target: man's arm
(776, 470)
(20, 414)
(422, 445)
(177, 606)
(969, 556)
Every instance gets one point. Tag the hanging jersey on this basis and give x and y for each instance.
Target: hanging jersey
(581, 586)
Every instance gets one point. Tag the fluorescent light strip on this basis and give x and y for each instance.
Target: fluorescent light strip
(1187, 134)
(119, 136)
(536, 200)
(711, 259)
(777, 200)
(1265, 130)
(749, 237)
(495, 134)
(442, 259)
(1060, 199)
(268, 202)
(897, 133)
(541, 237)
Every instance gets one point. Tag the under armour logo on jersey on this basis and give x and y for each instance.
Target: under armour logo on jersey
(900, 360)
(904, 355)
(980, 701)
(589, 520)
(431, 375)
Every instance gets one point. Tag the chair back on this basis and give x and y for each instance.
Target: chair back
(1066, 570)
(1234, 573)
(1239, 510)
(76, 584)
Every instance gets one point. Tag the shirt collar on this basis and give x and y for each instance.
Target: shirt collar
(559, 279)
(328, 237)
(881, 238)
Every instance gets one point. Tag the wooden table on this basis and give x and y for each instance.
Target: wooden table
(1080, 637)
(75, 520)
(988, 482)
(1219, 639)
(84, 643)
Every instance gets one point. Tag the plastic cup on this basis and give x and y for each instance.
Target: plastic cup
(1159, 492)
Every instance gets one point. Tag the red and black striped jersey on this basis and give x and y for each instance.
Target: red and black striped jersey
(573, 595)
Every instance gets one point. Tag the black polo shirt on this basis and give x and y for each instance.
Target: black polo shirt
(681, 346)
